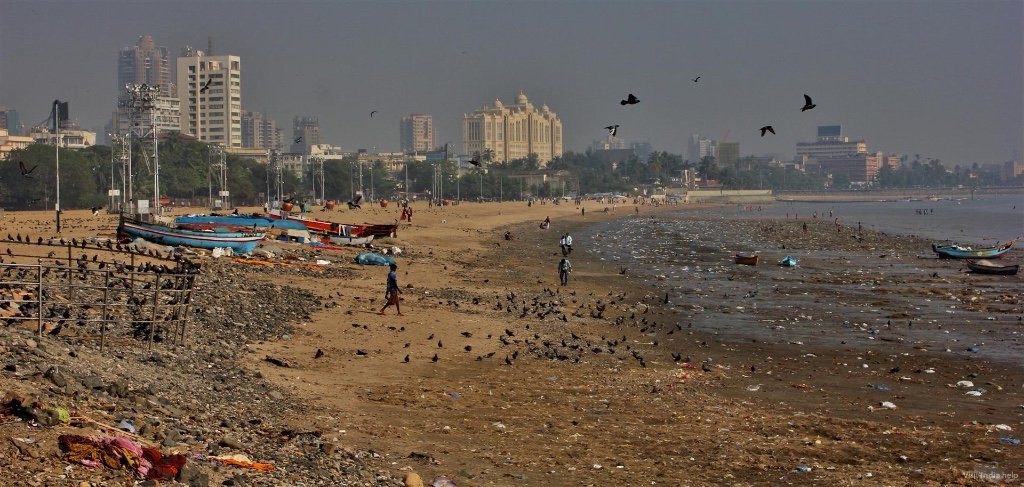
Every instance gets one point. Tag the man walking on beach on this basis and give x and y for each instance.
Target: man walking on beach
(391, 295)
(564, 268)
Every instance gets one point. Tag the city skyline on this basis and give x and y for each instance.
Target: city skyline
(942, 80)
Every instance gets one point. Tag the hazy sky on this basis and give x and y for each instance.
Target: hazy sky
(936, 78)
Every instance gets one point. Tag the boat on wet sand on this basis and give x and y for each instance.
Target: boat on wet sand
(746, 259)
(986, 267)
(954, 251)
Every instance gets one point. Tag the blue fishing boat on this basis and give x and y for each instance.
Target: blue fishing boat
(260, 222)
(239, 242)
(954, 251)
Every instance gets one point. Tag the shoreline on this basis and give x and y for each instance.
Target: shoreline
(565, 414)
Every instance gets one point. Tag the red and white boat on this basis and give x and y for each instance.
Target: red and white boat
(338, 229)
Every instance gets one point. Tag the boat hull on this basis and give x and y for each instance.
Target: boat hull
(242, 243)
(746, 259)
(343, 240)
(958, 252)
(984, 267)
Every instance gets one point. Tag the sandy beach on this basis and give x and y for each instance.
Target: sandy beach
(496, 375)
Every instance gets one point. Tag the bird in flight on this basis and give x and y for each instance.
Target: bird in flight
(206, 86)
(372, 112)
(767, 128)
(475, 161)
(630, 100)
(696, 79)
(808, 104)
(612, 129)
(298, 139)
(24, 171)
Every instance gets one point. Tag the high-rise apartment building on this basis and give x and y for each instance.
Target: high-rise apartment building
(305, 133)
(9, 121)
(145, 63)
(260, 132)
(210, 89)
(700, 147)
(416, 133)
(513, 132)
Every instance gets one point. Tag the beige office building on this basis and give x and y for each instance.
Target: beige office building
(213, 115)
(513, 132)
(416, 133)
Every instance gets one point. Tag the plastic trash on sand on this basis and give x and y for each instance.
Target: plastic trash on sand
(222, 252)
(443, 482)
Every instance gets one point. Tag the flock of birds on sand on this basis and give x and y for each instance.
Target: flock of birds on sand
(633, 100)
(564, 345)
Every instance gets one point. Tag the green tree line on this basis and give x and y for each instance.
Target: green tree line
(185, 175)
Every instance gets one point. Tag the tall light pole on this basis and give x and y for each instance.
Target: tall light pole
(56, 131)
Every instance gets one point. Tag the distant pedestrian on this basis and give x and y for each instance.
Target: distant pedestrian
(391, 295)
(408, 210)
(564, 268)
(583, 212)
(805, 227)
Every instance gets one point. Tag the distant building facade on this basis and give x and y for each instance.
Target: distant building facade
(9, 121)
(10, 142)
(70, 137)
(416, 133)
(858, 168)
(513, 132)
(213, 115)
(830, 143)
(305, 134)
(728, 152)
(700, 147)
(145, 63)
(260, 132)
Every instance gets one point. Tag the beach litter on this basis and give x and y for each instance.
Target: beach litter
(1010, 441)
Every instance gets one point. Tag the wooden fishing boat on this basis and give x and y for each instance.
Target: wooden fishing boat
(262, 223)
(986, 267)
(346, 240)
(953, 251)
(315, 225)
(239, 242)
(746, 259)
(341, 229)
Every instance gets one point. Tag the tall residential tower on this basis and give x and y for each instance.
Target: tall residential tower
(210, 90)
(145, 63)
(416, 133)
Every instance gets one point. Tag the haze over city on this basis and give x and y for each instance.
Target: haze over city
(941, 79)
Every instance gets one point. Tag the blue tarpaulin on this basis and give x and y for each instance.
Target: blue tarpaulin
(370, 258)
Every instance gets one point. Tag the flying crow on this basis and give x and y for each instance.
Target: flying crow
(808, 104)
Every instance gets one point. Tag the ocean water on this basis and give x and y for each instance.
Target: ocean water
(985, 220)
